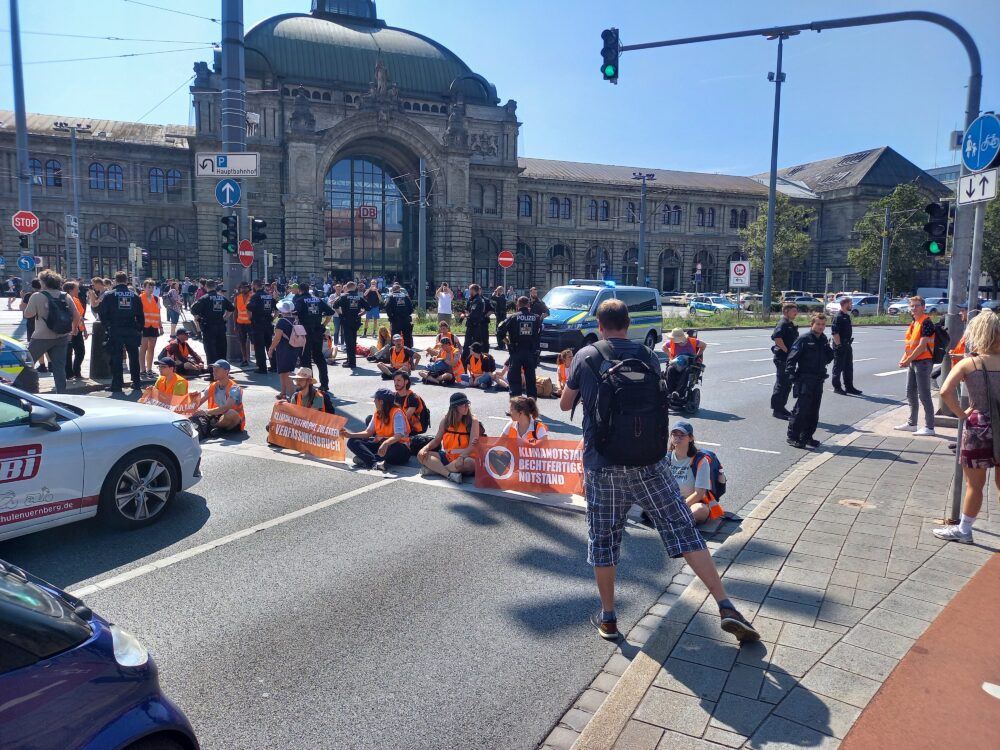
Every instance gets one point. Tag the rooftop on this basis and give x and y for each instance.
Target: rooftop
(175, 136)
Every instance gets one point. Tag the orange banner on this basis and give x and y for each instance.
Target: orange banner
(183, 405)
(545, 466)
(307, 431)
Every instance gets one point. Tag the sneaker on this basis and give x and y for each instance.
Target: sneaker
(925, 431)
(906, 427)
(358, 461)
(953, 534)
(781, 414)
(455, 477)
(735, 623)
(425, 472)
(607, 630)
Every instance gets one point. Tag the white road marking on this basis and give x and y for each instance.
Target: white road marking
(887, 374)
(759, 450)
(166, 562)
(865, 359)
(705, 442)
(754, 377)
(737, 351)
(769, 359)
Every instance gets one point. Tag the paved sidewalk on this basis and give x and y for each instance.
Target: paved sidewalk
(839, 570)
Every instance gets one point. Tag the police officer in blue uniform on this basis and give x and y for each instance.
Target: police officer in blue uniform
(524, 331)
(121, 312)
(806, 366)
(261, 308)
(311, 309)
(477, 322)
(211, 311)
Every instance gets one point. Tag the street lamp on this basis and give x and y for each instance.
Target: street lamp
(644, 176)
(65, 127)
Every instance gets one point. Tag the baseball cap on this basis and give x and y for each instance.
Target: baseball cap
(397, 337)
(683, 426)
(222, 364)
(166, 362)
(182, 332)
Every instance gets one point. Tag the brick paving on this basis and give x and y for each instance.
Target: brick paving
(838, 568)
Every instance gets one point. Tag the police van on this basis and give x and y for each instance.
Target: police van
(572, 322)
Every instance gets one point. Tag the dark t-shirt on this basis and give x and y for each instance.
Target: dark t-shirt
(285, 326)
(843, 326)
(788, 332)
(581, 378)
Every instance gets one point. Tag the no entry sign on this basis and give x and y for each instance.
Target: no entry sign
(505, 258)
(25, 222)
(245, 253)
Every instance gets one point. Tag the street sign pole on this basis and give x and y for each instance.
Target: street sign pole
(422, 242)
(883, 270)
(21, 130)
(772, 181)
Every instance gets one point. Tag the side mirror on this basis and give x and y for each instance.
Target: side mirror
(44, 418)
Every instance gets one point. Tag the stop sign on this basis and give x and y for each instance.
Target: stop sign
(245, 252)
(505, 259)
(25, 222)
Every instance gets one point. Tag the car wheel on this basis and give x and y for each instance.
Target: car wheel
(160, 742)
(138, 488)
(650, 339)
(855, 313)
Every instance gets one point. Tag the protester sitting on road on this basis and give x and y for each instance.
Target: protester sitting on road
(382, 340)
(307, 394)
(456, 438)
(285, 355)
(386, 441)
(330, 350)
(694, 482)
(188, 361)
(411, 404)
(396, 358)
(498, 379)
(980, 372)
(524, 425)
(170, 383)
(224, 404)
(444, 331)
(682, 350)
(480, 367)
(448, 369)
(565, 359)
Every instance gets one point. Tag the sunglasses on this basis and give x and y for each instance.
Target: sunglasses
(679, 433)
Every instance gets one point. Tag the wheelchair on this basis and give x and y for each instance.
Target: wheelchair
(688, 388)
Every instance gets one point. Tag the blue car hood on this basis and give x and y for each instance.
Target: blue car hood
(562, 316)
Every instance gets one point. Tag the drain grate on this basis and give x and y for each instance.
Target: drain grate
(852, 503)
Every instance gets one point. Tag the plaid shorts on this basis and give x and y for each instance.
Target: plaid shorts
(611, 491)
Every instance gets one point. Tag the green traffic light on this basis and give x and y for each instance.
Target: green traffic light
(609, 71)
(935, 248)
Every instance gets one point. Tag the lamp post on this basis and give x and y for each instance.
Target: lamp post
(65, 127)
(644, 176)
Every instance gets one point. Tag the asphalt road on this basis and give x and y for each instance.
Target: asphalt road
(401, 612)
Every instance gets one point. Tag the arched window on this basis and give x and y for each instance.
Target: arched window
(406, 105)
(156, 180)
(567, 209)
(524, 268)
(115, 181)
(592, 211)
(630, 213)
(553, 208)
(108, 249)
(743, 219)
(666, 216)
(605, 210)
(96, 176)
(710, 221)
(701, 217)
(524, 205)
(733, 219)
(560, 263)
(53, 173)
(598, 265)
(630, 267)
(167, 258)
(50, 245)
(677, 215)
(425, 108)
(173, 184)
(35, 170)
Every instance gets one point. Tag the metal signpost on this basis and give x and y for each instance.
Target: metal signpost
(506, 259)
(739, 278)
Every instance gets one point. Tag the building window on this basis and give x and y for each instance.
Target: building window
(35, 170)
(96, 176)
(553, 208)
(53, 173)
(167, 256)
(598, 265)
(733, 219)
(567, 209)
(592, 211)
(700, 221)
(677, 215)
(630, 267)
(524, 205)
(743, 219)
(666, 216)
(711, 217)
(115, 181)
(630, 213)
(489, 200)
(173, 180)
(108, 249)
(524, 267)
(156, 180)
(605, 211)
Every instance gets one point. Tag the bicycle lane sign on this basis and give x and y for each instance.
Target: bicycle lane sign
(982, 143)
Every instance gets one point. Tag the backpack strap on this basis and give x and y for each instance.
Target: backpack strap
(607, 352)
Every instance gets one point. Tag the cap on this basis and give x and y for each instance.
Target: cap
(182, 332)
(304, 373)
(285, 307)
(446, 340)
(683, 426)
(222, 364)
(166, 362)
(384, 394)
(477, 348)
(457, 399)
(964, 306)
(397, 337)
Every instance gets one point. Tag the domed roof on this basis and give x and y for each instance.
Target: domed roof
(328, 49)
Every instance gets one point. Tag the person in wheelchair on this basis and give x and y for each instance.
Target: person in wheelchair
(682, 350)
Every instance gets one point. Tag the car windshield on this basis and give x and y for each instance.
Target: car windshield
(718, 300)
(856, 300)
(569, 298)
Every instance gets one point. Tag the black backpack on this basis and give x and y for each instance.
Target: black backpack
(941, 341)
(423, 413)
(59, 319)
(630, 415)
(717, 473)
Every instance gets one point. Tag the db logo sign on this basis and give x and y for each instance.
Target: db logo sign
(367, 212)
(20, 462)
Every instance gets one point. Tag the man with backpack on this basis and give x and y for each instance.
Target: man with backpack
(918, 360)
(625, 432)
(55, 318)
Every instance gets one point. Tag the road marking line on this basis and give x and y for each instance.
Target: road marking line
(166, 562)
(887, 374)
(754, 377)
(759, 450)
(705, 442)
(866, 359)
(737, 351)
(769, 359)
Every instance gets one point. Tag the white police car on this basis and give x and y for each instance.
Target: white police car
(69, 458)
(572, 319)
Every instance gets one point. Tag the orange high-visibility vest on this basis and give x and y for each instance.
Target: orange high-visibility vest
(150, 311)
(913, 339)
(398, 358)
(562, 373)
(385, 429)
(229, 389)
(714, 506)
(242, 314)
(297, 400)
(174, 386)
(454, 441)
(475, 365)
(531, 436)
(83, 326)
(454, 361)
(959, 351)
(691, 340)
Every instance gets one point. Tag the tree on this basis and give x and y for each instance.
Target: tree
(906, 237)
(991, 242)
(791, 236)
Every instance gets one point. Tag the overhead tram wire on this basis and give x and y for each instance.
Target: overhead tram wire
(110, 57)
(156, 106)
(110, 38)
(171, 10)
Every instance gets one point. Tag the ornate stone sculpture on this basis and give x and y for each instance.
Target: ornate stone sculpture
(455, 134)
(302, 120)
(201, 75)
(484, 144)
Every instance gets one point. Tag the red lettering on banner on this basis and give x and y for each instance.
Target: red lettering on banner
(20, 462)
(40, 511)
(544, 466)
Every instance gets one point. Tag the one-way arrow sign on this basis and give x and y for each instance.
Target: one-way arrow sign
(981, 186)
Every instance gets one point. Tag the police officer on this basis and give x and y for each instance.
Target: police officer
(211, 311)
(399, 308)
(843, 352)
(524, 329)
(477, 322)
(806, 366)
(351, 306)
(121, 312)
(311, 309)
(261, 308)
(784, 335)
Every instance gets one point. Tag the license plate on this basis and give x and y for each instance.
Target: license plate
(543, 346)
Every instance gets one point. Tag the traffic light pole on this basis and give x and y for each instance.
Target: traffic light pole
(883, 269)
(21, 127)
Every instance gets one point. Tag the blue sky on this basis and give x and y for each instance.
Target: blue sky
(703, 107)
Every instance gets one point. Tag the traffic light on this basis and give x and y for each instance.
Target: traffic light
(230, 234)
(22, 242)
(257, 230)
(610, 54)
(936, 229)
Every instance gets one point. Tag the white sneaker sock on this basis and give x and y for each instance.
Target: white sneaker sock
(965, 525)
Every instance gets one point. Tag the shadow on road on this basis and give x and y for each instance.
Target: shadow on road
(718, 416)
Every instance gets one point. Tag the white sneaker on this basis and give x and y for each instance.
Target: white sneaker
(455, 477)
(953, 534)
(924, 431)
(425, 472)
(906, 427)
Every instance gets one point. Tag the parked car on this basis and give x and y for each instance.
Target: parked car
(899, 306)
(572, 319)
(862, 305)
(16, 365)
(936, 305)
(990, 304)
(705, 304)
(77, 680)
(808, 304)
(137, 457)
(673, 298)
